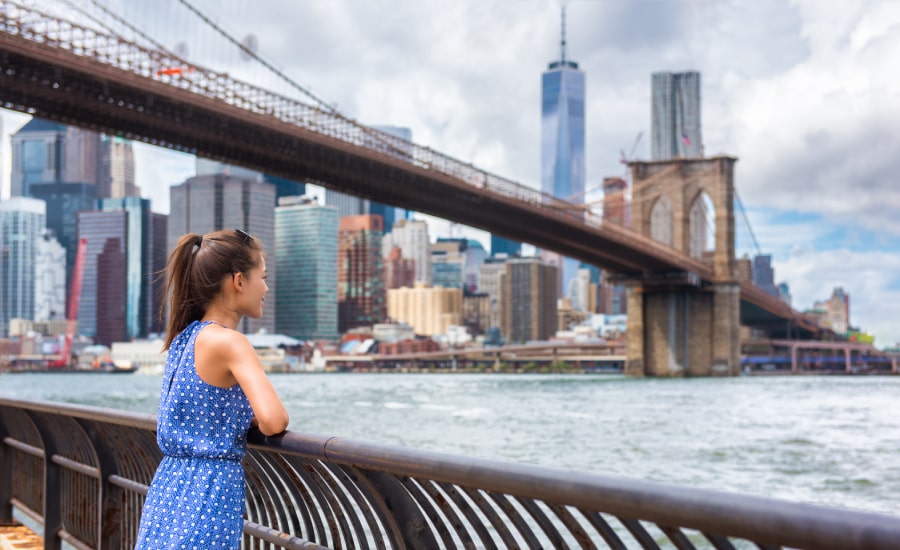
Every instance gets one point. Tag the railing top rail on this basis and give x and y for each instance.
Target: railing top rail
(86, 412)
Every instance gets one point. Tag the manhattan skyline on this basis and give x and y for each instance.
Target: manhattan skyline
(800, 92)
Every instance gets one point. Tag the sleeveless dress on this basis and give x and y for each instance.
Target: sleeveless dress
(196, 498)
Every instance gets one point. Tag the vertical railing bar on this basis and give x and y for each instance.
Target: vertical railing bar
(304, 501)
(720, 542)
(519, 523)
(474, 520)
(542, 520)
(254, 509)
(266, 474)
(320, 508)
(449, 510)
(575, 528)
(491, 514)
(640, 534)
(51, 505)
(338, 481)
(677, 537)
(431, 510)
(337, 521)
(603, 527)
(351, 496)
(387, 524)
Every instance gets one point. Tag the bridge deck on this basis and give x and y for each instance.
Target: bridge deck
(19, 537)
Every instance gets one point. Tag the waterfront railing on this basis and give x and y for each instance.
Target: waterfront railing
(82, 472)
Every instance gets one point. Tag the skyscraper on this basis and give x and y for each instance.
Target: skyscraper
(139, 262)
(219, 201)
(306, 248)
(102, 308)
(562, 139)
(361, 295)
(22, 224)
(64, 201)
(502, 245)
(411, 236)
(49, 152)
(529, 300)
(675, 116)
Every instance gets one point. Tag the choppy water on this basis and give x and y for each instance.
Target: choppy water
(830, 440)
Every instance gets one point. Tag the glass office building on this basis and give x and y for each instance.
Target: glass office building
(22, 223)
(675, 116)
(306, 256)
(139, 262)
(102, 309)
(562, 140)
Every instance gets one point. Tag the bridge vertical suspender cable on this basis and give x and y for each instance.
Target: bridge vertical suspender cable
(740, 203)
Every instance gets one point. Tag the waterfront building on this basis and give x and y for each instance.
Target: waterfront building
(22, 227)
(502, 245)
(675, 116)
(49, 279)
(102, 307)
(835, 311)
(142, 262)
(160, 255)
(222, 201)
(411, 236)
(361, 296)
(612, 296)
(763, 274)
(64, 201)
(529, 300)
(429, 310)
(49, 152)
(398, 271)
(563, 141)
(580, 292)
(448, 262)
(476, 312)
(489, 283)
(306, 253)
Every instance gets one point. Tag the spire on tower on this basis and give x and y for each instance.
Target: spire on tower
(562, 42)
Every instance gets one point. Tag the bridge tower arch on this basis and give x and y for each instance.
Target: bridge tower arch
(678, 326)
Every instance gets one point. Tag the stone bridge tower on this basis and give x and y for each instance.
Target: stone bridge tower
(678, 326)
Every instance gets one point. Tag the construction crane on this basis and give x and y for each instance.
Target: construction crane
(623, 158)
(65, 355)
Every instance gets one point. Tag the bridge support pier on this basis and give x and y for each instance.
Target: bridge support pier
(684, 332)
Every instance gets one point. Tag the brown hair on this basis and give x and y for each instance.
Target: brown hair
(195, 270)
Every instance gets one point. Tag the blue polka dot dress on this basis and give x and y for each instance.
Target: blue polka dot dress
(196, 498)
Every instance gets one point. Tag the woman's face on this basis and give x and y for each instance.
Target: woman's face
(255, 289)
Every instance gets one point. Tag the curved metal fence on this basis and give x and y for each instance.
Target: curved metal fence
(82, 472)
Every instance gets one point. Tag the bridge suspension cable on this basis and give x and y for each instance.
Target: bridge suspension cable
(737, 199)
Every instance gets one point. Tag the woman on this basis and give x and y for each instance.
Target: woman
(214, 389)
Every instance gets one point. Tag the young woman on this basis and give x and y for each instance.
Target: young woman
(214, 389)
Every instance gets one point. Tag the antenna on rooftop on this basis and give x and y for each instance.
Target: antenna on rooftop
(562, 42)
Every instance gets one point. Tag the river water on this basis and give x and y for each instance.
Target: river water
(831, 440)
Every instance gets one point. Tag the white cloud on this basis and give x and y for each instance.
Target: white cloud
(871, 279)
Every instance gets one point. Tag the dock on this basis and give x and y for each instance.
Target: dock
(15, 536)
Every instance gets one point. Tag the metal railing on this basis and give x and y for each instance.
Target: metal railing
(82, 472)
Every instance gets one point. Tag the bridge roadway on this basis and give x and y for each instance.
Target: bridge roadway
(84, 78)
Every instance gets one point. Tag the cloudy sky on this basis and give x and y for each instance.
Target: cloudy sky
(804, 92)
